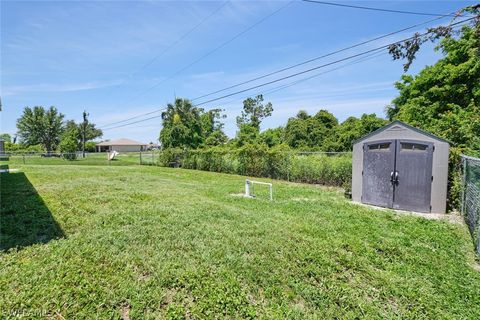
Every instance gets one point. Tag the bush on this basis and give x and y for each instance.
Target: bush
(68, 147)
(20, 148)
(454, 179)
(90, 146)
(253, 160)
(257, 160)
(335, 170)
(169, 157)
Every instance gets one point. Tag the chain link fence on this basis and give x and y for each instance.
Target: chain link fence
(470, 202)
(76, 158)
(326, 168)
(149, 157)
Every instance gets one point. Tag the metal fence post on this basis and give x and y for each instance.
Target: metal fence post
(140, 156)
(464, 185)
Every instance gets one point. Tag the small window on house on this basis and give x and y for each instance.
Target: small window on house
(407, 146)
(379, 146)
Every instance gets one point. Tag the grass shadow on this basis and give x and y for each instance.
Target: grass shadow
(24, 217)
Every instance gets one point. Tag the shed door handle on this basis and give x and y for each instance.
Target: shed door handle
(396, 176)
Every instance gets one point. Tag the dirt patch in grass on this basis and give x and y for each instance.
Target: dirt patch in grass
(476, 266)
(169, 296)
(125, 312)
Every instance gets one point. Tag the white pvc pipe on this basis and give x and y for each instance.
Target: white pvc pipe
(247, 187)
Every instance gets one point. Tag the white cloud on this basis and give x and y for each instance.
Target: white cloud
(52, 87)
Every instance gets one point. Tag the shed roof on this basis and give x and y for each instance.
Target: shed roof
(121, 142)
(398, 122)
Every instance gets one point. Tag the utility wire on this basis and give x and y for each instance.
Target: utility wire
(135, 117)
(380, 9)
(290, 84)
(375, 51)
(294, 74)
(371, 56)
(289, 76)
(198, 60)
(138, 121)
(299, 73)
(319, 57)
(173, 75)
(269, 91)
(185, 35)
(321, 66)
(295, 65)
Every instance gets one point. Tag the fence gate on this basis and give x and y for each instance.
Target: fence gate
(398, 174)
(471, 197)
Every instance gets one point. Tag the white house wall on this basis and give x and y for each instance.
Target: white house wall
(126, 148)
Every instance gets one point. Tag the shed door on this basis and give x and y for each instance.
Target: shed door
(378, 165)
(413, 175)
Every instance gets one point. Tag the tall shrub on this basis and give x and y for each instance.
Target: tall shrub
(257, 160)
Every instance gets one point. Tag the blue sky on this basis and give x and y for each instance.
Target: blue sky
(103, 56)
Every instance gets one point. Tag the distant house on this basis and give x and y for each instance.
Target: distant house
(121, 145)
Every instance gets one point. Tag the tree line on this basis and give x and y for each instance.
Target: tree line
(188, 127)
(45, 130)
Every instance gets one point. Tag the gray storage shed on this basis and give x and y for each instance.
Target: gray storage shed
(401, 167)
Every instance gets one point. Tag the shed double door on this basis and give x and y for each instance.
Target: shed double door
(398, 174)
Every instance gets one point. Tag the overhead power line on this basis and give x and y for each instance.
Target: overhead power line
(269, 91)
(131, 118)
(325, 65)
(320, 57)
(173, 75)
(138, 121)
(290, 84)
(378, 9)
(176, 42)
(198, 60)
(370, 56)
(297, 73)
(295, 65)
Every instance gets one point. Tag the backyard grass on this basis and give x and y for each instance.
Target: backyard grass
(90, 242)
(126, 158)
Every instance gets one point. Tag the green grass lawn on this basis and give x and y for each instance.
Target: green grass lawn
(89, 242)
(126, 158)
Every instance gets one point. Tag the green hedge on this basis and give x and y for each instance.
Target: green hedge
(260, 161)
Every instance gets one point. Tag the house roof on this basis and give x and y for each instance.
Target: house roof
(121, 142)
(398, 122)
